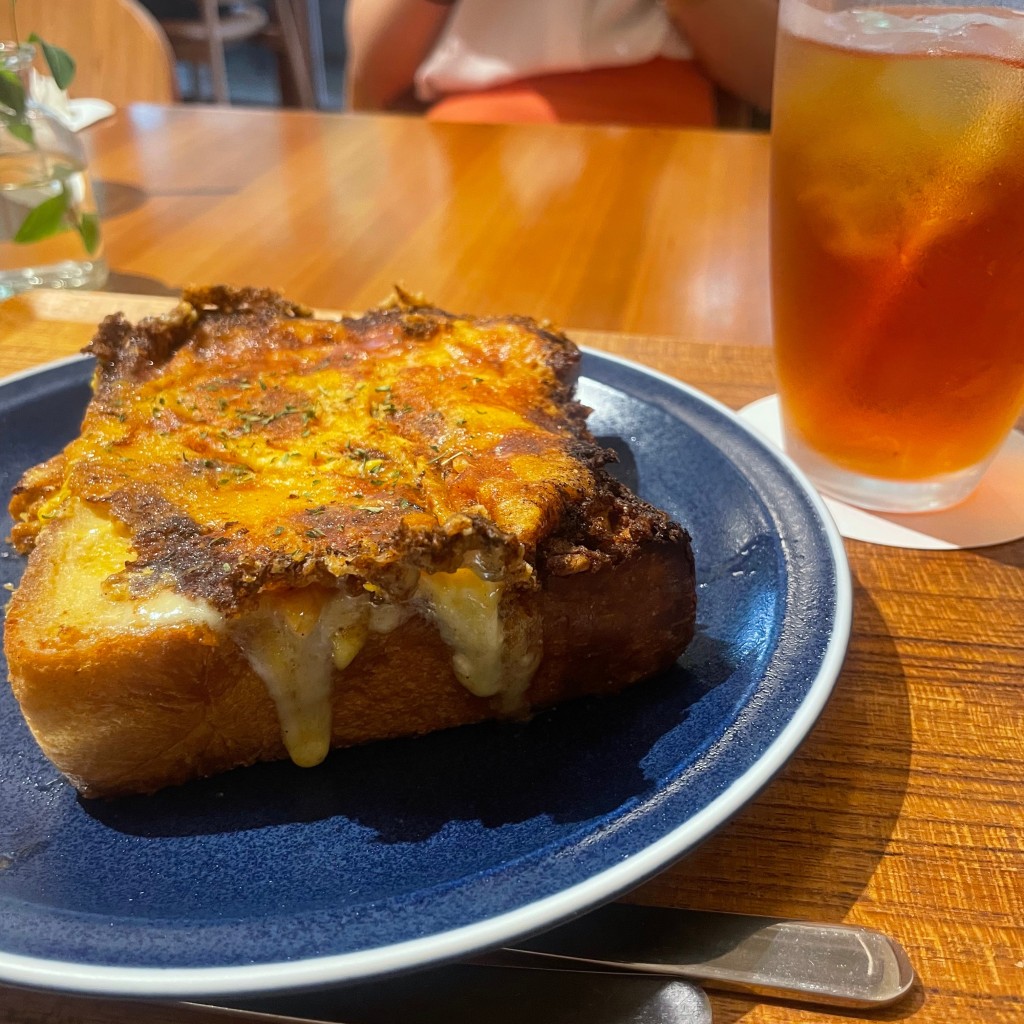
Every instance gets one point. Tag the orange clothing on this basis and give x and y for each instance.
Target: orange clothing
(661, 91)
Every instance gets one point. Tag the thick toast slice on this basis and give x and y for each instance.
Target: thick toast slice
(278, 534)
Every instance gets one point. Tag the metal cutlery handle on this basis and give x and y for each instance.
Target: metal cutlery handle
(832, 964)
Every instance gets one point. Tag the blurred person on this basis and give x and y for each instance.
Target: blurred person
(609, 61)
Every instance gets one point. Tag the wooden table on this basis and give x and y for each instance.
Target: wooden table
(903, 809)
(660, 232)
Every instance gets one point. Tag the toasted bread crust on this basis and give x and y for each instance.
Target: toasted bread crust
(243, 449)
(130, 715)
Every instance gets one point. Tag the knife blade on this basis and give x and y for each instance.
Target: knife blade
(457, 994)
(464, 994)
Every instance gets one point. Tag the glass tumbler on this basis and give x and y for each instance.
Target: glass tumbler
(897, 244)
(49, 228)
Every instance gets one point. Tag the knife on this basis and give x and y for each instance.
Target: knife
(831, 964)
(457, 994)
(812, 962)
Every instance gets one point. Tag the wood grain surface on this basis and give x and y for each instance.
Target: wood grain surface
(648, 231)
(903, 809)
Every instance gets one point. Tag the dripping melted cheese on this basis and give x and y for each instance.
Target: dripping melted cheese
(298, 641)
(494, 653)
(294, 642)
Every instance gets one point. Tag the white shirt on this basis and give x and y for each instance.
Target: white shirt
(489, 42)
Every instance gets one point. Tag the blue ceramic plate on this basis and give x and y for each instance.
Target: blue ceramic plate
(413, 852)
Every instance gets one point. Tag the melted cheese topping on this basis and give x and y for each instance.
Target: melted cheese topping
(292, 642)
(89, 549)
(170, 609)
(333, 439)
(489, 656)
(298, 640)
(466, 610)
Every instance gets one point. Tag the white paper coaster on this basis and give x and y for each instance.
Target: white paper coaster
(993, 514)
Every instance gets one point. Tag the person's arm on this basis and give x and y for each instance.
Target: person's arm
(386, 41)
(734, 41)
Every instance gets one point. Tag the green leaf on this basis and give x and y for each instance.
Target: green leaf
(12, 92)
(89, 228)
(22, 131)
(44, 220)
(60, 62)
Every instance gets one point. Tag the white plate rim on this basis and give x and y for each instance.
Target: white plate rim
(315, 972)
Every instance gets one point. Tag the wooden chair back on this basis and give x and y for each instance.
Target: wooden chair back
(122, 54)
(284, 26)
(202, 39)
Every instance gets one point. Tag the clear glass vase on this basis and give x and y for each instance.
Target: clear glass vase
(49, 228)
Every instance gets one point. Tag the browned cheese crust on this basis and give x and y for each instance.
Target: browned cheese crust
(249, 453)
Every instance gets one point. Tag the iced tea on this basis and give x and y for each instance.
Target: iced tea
(898, 245)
